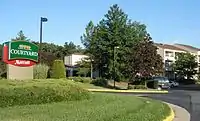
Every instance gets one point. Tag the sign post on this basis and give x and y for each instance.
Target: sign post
(20, 57)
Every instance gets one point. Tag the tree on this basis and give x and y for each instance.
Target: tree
(84, 67)
(90, 41)
(143, 60)
(2, 64)
(51, 51)
(48, 58)
(69, 48)
(115, 30)
(185, 65)
(20, 36)
(79, 49)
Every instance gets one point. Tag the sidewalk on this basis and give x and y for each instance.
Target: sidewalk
(181, 114)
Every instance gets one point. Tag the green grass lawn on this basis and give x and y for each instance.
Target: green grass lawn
(89, 86)
(100, 107)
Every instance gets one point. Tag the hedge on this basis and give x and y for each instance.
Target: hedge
(81, 79)
(39, 91)
(100, 82)
(58, 70)
(40, 71)
(137, 87)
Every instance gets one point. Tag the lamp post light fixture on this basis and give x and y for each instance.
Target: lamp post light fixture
(42, 19)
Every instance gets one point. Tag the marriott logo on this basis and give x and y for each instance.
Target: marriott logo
(24, 62)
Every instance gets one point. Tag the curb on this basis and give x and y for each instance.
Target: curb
(171, 116)
(128, 91)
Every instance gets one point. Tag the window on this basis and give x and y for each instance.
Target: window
(169, 54)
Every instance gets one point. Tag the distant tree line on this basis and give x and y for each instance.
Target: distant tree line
(50, 51)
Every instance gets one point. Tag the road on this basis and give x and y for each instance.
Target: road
(186, 98)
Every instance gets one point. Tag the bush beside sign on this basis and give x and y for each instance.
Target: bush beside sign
(20, 53)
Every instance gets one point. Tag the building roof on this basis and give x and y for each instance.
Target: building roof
(188, 47)
(167, 46)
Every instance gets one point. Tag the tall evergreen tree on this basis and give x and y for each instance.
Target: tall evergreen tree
(110, 40)
(91, 43)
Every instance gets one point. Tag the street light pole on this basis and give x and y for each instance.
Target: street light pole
(40, 44)
(114, 59)
(91, 69)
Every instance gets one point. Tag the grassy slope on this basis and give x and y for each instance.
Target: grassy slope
(39, 91)
(101, 107)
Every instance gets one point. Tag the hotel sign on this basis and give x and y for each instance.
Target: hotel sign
(20, 53)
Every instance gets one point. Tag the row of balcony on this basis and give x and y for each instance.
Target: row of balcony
(171, 55)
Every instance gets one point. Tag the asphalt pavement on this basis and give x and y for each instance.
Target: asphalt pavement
(186, 98)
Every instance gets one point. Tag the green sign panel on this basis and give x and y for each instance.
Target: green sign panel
(23, 50)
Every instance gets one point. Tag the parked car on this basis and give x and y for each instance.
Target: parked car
(173, 84)
(162, 82)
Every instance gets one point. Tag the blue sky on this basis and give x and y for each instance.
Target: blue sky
(168, 21)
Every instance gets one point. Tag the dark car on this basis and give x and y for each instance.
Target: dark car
(162, 82)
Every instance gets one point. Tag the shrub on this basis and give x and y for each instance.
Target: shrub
(137, 87)
(138, 82)
(40, 71)
(81, 79)
(58, 70)
(124, 80)
(3, 75)
(3, 69)
(100, 82)
(39, 91)
(131, 86)
(140, 87)
(152, 84)
(198, 81)
(187, 81)
(82, 71)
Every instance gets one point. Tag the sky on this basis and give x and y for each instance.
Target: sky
(168, 21)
